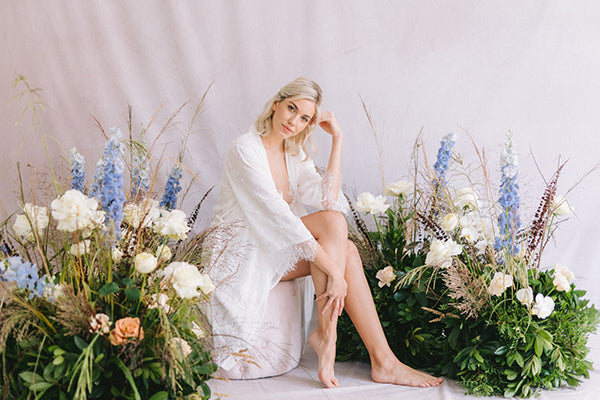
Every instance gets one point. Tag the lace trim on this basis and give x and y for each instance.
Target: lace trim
(290, 256)
(328, 194)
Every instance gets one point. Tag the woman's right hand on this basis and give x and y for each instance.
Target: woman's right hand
(336, 293)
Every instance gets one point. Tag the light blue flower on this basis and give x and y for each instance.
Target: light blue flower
(112, 196)
(140, 176)
(169, 200)
(444, 156)
(77, 170)
(509, 221)
(24, 274)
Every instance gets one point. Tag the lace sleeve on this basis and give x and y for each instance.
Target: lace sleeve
(319, 192)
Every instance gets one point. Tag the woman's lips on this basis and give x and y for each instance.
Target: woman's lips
(285, 128)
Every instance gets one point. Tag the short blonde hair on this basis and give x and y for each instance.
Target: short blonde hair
(299, 88)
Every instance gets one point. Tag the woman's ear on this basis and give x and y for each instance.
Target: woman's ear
(274, 106)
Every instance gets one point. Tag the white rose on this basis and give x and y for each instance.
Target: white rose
(81, 248)
(440, 253)
(385, 276)
(564, 271)
(181, 346)
(560, 206)
(500, 282)
(397, 188)
(172, 224)
(160, 300)
(561, 283)
(145, 262)
(163, 253)
(187, 279)
(525, 296)
(367, 202)
(34, 216)
(467, 197)
(74, 211)
(543, 306)
(117, 255)
(450, 222)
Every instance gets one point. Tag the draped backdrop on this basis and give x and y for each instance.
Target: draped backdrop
(479, 69)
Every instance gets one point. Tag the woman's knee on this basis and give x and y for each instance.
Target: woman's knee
(335, 223)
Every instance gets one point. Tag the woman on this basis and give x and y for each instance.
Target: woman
(266, 236)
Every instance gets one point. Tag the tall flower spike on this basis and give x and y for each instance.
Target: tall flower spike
(169, 200)
(140, 176)
(112, 196)
(77, 171)
(509, 221)
(443, 157)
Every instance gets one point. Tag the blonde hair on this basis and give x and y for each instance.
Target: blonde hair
(299, 88)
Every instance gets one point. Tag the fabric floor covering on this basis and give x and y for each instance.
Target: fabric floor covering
(355, 383)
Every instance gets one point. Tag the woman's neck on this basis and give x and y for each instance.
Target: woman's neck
(273, 143)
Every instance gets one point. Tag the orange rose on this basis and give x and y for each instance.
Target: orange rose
(126, 328)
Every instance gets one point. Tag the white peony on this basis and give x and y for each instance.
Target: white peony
(561, 283)
(187, 279)
(543, 306)
(397, 188)
(80, 248)
(440, 253)
(163, 253)
(181, 346)
(525, 296)
(145, 263)
(450, 222)
(160, 300)
(468, 225)
(172, 224)
(564, 271)
(467, 197)
(74, 211)
(141, 215)
(385, 276)
(367, 202)
(500, 282)
(560, 206)
(34, 216)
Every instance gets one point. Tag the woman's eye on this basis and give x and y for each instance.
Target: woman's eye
(291, 108)
(304, 119)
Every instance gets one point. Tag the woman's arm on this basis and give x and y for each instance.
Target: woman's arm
(330, 125)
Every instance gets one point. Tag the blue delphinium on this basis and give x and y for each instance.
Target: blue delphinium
(169, 200)
(98, 177)
(24, 274)
(141, 183)
(443, 157)
(77, 171)
(509, 221)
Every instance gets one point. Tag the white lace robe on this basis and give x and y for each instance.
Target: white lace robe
(258, 238)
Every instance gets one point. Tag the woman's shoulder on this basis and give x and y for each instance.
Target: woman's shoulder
(245, 147)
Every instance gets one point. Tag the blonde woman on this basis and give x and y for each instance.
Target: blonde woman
(268, 180)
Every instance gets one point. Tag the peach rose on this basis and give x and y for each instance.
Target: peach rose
(126, 328)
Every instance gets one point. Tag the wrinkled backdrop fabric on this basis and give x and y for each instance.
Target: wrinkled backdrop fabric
(478, 69)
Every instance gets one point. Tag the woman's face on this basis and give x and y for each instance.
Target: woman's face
(290, 117)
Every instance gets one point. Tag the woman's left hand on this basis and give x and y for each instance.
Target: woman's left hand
(329, 124)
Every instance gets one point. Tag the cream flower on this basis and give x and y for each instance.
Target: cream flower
(543, 306)
(560, 206)
(500, 282)
(145, 262)
(187, 279)
(100, 323)
(141, 215)
(525, 296)
(160, 300)
(397, 188)
(564, 271)
(367, 202)
(163, 253)
(34, 216)
(74, 211)
(561, 283)
(181, 346)
(467, 197)
(450, 222)
(385, 276)
(172, 224)
(117, 255)
(440, 253)
(80, 248)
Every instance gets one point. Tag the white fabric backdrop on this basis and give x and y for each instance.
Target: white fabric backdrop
(478, 67)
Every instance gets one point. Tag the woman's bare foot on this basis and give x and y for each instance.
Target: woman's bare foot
(325, 349)
(393, 371)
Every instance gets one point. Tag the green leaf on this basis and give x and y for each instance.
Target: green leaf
(159, 396)
(129, 378)
(128, 282)
(29, 377)
(108, 289)
(40, 386)
(501, 350)
(132, 294)
(510, 374)
(80, 343)
(539, 346)
(519, 359)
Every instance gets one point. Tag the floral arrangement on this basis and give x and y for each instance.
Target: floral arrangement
(460, 285)
(100, 290)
